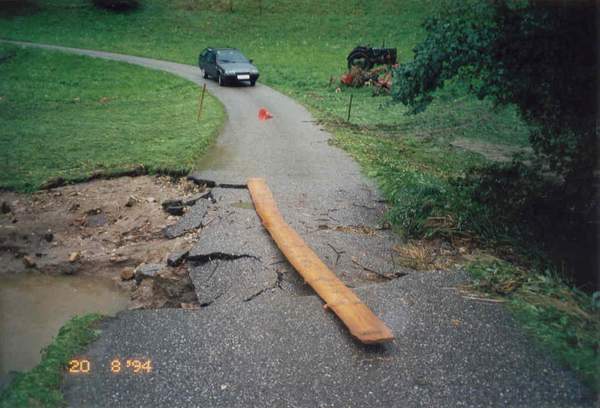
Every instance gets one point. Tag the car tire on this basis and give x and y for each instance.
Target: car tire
(220, 80)
(204, 74)
(252, 82)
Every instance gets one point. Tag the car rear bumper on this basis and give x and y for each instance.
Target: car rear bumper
(233, 78)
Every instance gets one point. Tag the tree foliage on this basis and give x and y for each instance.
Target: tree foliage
(117, 5)
(539, 55)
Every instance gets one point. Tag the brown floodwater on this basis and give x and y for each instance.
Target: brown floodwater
(33, 307)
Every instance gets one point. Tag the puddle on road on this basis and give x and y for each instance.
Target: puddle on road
(34, 306)
(217, 157)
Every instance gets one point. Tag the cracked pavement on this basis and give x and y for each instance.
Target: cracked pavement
(264, 339)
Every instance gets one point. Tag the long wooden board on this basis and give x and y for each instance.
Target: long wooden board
(359, 319)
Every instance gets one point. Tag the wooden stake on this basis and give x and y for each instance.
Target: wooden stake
(201, 101)
(349, 108)
(357, 317)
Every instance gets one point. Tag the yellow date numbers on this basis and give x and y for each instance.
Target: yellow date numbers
(116, 366)
(79, 366)
(133, 365)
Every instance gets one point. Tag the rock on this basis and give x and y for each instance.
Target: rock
(127, 273)
(74, 256)
(93, 211)
(144, 271)
(49, 236)
(118, 259)
(5, 208)
(131, 201)
(96, 220)
(29, 261)
(151, 199)
(177, 258)
(69, 269)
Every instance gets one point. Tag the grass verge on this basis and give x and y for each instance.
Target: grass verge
(70, 117)
(565, 320)
(41, 385)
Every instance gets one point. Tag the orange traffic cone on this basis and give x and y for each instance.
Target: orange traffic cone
(264, 114)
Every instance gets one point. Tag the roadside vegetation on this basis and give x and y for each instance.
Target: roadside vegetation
(40, 387)
(71, 117)
(565, 320)
(435, 188)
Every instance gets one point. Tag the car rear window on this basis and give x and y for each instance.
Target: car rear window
(231, 56)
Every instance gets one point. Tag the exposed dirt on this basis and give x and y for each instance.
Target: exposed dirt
(102, 228)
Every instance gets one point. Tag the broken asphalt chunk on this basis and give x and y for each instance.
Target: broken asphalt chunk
(176, 210)
(190, 221)
(176, 206)
(177, 258)
(146, 271)
(230, 281)
(199, 180)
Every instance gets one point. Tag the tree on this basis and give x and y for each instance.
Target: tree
(117, 5)
(540, 55)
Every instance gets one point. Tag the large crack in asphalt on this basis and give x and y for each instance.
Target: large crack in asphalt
(235, 260)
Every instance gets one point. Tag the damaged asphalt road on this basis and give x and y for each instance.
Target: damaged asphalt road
(264, 340)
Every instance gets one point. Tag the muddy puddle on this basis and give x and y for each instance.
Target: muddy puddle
(34, 306)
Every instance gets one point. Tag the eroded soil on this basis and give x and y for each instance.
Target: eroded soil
(100, 228)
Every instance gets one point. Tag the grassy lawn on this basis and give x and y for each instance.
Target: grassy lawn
(69, 116)
(296, 55)
(298, 46)
(40, 387)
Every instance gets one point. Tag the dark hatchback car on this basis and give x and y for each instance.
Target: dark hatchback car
(227, 65)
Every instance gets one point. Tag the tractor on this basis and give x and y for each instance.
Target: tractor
(366, 57)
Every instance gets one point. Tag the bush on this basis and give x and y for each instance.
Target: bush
(117, 5)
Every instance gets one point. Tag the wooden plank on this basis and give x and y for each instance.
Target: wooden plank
(357, 317)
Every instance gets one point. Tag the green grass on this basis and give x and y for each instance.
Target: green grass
(41, 385)
(69, 116)
(564, 320)
(413, 173)
(295, 55)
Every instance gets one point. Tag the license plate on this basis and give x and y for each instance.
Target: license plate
(242, 77)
